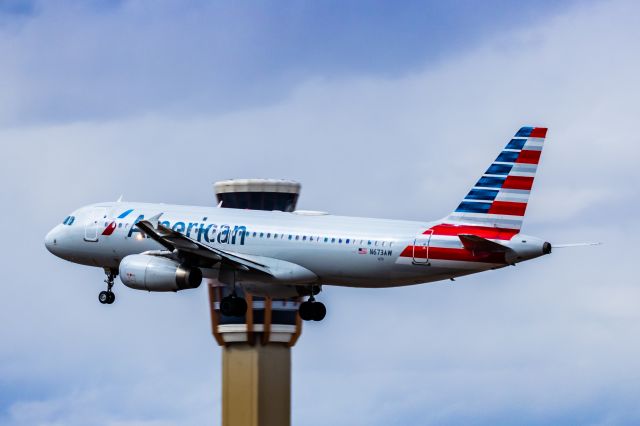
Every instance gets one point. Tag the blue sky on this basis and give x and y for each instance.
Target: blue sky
(379, 110)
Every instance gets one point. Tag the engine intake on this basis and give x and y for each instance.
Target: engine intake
(153, 273)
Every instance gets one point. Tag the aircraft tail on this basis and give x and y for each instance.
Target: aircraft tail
(499, 199)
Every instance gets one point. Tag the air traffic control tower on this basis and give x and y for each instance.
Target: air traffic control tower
(256, 347)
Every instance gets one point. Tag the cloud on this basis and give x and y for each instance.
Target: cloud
(547, 342)
(99, 60)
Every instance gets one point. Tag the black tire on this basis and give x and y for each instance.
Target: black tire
(319, 311)
(112, 297)
(306, 311)
(226, 306)
(240, 308)
(103, 297)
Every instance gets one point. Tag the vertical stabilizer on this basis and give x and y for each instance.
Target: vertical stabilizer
(499, 199)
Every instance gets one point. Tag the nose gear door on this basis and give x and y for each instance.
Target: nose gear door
(92, 226)
(421, 248)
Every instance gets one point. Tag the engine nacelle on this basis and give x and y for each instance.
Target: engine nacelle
(153, 273)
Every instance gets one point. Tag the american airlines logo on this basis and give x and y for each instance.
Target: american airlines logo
(201, 232)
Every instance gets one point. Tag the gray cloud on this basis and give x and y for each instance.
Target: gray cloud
(68, 61)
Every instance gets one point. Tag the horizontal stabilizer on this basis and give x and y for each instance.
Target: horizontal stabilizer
(479, 244)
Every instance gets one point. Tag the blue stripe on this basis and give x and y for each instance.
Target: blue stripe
(465, 207)
(499, 169)
(508, 156)
(524, 132)
(123, 215)
(482, 194)
(516, 144)
(491, 182)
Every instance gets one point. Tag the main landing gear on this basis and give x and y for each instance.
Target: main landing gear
(312, 310)
(233, 306)
(108, 297)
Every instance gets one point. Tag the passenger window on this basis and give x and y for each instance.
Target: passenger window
(304, 238)
(261, 234)
(340, 241)
(269, 235)
(290, 236)
(297, 237)
(275, 235)
(254, 234)
(333, 240)
(326, 239)
(347, 242)
(120, 225)
(369, 243)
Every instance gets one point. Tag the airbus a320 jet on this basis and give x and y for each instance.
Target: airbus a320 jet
(161, 247)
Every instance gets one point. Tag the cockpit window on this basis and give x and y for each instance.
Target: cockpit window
(71, 220)
(68, 220)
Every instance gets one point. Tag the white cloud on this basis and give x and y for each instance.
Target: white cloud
(552, 341)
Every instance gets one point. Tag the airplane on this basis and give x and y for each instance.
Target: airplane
(162, 247)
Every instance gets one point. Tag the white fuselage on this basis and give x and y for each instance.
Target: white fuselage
(348, 251)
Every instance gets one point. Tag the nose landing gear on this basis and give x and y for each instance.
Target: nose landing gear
(108, 297)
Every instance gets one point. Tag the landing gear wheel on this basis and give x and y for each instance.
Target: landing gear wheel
(319, 311)
(108, 297)
(240, 306)
(233, 306)
(306, 311)
(312, 311)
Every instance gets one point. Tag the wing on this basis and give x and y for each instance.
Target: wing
(182, 245)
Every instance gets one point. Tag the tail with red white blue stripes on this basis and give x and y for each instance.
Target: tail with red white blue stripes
(499, 199)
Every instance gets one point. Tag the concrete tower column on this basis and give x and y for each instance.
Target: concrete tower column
(256, 348)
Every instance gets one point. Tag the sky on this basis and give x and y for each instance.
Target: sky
(379, 109)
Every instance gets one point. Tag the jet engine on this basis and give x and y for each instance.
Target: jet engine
(153, 273)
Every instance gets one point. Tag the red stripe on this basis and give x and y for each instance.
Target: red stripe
(463, 255)
(528, 156)
(538, 132)
(109, 229)
(507, 207)
(481, 231)
(518, 182)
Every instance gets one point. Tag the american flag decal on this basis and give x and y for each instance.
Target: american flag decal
(362, 251)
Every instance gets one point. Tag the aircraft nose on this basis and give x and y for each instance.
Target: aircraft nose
(51, 240)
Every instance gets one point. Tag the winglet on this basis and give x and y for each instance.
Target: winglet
(154, 220)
